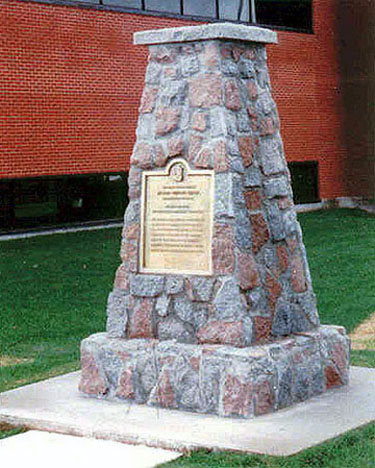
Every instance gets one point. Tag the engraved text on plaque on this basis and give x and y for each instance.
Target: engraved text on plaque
(176, 224)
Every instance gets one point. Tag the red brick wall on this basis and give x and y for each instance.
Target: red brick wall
(71, 80)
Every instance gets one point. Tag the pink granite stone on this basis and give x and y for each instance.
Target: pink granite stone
(221, 332)
(237, 397)
(264, 397)
(246, 147)
(223, 250)
(205, 90)
(167, 119)
(299, 282)
(140, 323)
(91, 381)
(247, 271)
(232, 95)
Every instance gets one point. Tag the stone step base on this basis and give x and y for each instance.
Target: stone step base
(216, 379)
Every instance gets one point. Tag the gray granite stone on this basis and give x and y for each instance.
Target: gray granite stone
(248, 330)
(269, 257)
(117, 313)
(189, 65)
(228, 301)
(246, 68)
(173, 93)
(282, 321)
(200, 316)
(145, 127)
(231, 123)
(317, 376)
(132, 214)
(290, 222)
(224, 204)
(306, 263)
(147, 285)
(162, 305)
(174, 284)
(284, 395)
(236, 164)
(258, 301)
(210, 370)
(265, 104)
(218, 123)
(187, 384)
(233, 149)
(111, 365)
(237, 192)
(300, 321)
(276, 187)
(306, 305)
(183, 308)
(242, 230)
(275, 221)
(252, 177)
(243, 122)
(263, 78)
(202, 288)
(153, 72)
(302, 384)
(173, 329)
(206, 31)
(271, 155)
(146, 374)
(228, 67)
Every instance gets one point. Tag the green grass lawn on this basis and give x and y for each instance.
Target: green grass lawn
(54, 290)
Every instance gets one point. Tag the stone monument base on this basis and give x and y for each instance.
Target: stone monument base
(216, 379)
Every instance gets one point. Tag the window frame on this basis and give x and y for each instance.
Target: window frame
(98, 5)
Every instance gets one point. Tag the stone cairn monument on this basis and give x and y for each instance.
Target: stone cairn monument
(212, 308)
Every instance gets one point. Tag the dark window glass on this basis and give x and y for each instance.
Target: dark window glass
(229, 10)
(124, 3)
(169, 6)
(304, 181)
(29, 203)
(206, 8)
(96, 2)
(289, 13)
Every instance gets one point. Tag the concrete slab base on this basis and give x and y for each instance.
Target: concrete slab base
(46, 449)
(56, 406)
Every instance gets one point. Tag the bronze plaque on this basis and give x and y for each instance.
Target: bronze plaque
(176, 223)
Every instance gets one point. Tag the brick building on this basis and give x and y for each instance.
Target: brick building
(71, 82)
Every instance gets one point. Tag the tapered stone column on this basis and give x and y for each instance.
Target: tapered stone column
(212, 308)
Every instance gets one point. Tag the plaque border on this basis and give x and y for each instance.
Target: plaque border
(142, 250)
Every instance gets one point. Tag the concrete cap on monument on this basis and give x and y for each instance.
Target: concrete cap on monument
(225, 31)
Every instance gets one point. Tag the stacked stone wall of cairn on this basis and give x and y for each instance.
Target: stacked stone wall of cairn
(247, 339)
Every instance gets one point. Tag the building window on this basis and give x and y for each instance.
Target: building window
(61, 200)
(136, 4)
(295, 15)
(235, 10)
(166, 6)
(305, 181)
(203, 8)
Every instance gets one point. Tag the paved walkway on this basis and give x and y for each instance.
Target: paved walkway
(63, 230)
(44, 450)
(55, 405)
